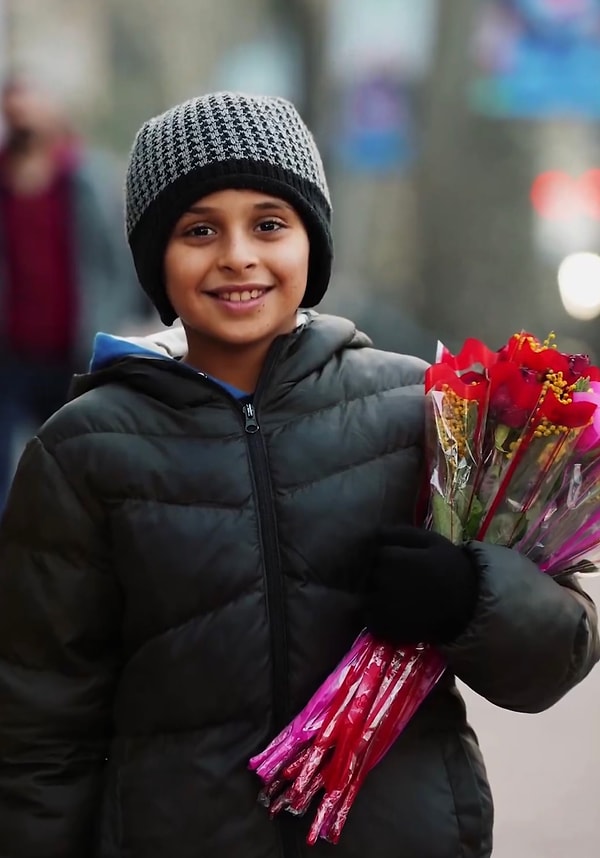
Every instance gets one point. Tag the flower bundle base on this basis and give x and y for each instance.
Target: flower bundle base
(344, 730)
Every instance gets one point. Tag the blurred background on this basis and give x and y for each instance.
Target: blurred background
(462, 145)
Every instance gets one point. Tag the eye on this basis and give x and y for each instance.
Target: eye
(199, 230)
(271, 225)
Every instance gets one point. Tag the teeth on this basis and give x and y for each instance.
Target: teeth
(236, 297)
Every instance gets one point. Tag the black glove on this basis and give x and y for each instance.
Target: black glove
(423, 588)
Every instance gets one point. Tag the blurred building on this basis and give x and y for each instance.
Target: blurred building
(432, 147)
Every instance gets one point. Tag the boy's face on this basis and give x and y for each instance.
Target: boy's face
(236, 268)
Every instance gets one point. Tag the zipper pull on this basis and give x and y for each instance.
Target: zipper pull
(250, 422)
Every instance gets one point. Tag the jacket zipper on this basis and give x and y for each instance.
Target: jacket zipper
(275, 595)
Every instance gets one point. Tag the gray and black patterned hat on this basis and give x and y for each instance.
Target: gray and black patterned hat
(223, 140)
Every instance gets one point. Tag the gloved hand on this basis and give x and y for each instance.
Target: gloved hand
(423, 588)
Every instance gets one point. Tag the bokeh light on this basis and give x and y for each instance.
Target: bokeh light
(579, 285)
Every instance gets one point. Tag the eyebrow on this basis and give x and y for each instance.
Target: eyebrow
(267, 205)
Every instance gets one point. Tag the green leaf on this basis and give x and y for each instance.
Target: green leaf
(445, 520)
(460, 504)
(500, 435)
(474, 520)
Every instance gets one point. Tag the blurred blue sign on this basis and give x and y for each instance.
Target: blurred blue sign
(537, 58)
(379, 52)
(375, 131)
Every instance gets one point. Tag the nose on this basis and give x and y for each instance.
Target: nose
(238, 253)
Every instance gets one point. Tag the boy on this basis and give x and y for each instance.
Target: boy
(194, 541)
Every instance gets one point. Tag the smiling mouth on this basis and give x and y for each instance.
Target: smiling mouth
(239, 297)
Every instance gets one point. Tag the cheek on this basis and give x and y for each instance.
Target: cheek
(182, 272)
(294, 267)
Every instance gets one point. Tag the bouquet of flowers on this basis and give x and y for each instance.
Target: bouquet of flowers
(513, 458)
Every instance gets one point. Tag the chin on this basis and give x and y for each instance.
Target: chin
(228, 337)
(241, 342)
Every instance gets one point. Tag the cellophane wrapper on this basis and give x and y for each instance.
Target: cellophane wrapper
(505, 464)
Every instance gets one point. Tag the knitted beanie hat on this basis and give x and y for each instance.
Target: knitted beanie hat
(217, 141)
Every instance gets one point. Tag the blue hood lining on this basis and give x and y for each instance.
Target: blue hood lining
(108, 349)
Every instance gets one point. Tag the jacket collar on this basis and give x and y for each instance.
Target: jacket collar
(148, 365)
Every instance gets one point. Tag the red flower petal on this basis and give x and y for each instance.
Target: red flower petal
(474, 353)
(439, 375)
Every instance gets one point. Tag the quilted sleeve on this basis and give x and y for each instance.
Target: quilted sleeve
(531, 639)
(59, 621)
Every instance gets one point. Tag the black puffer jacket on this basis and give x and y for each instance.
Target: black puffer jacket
(178, 576)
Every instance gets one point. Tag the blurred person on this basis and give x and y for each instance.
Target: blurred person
(65, 270)
(194, 541)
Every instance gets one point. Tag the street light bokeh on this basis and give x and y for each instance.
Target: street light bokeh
(579, 285)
